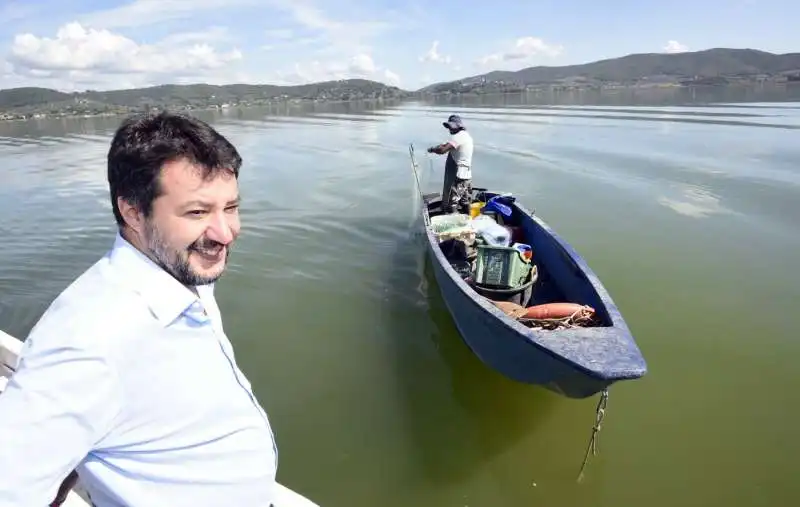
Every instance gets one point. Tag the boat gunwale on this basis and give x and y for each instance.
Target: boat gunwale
(618, 324)
(10, 349)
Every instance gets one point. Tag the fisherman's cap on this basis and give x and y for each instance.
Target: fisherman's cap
(453, 122)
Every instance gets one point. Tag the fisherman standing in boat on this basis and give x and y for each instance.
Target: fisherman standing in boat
(129, 377)
(457, 186)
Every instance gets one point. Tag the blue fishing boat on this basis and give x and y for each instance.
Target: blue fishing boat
(500, 323)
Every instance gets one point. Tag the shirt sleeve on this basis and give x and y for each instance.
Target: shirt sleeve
(454, 140)
(60, 402)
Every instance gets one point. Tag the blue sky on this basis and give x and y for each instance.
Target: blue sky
(107, 44)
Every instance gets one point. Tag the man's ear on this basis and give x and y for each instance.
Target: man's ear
(131, 214)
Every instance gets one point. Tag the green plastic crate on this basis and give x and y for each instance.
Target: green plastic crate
(501, 267)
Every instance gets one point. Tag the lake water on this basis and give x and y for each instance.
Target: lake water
(689, 214)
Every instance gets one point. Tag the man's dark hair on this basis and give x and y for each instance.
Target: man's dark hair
(143, 143)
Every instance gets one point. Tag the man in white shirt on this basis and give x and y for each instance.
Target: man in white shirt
(457, 187)
(129, 377)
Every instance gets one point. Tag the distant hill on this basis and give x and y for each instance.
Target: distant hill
(25, 102)
(713, 66)
(20, 97)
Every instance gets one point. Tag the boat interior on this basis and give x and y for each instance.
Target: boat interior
(551, 275)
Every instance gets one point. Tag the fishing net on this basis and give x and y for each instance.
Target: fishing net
(583, 317)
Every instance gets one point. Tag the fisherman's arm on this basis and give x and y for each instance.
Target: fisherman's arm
(61, 401)
(443, 148)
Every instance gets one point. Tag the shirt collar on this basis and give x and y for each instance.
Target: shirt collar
(166, 297)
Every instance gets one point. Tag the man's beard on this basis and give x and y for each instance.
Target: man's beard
(176, 262)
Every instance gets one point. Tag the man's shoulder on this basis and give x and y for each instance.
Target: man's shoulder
(463, 137)
(87, 312)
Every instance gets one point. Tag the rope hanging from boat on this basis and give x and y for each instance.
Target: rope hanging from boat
(600, 413)
(414, 167)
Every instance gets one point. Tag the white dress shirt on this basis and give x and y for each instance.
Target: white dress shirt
(129, 377)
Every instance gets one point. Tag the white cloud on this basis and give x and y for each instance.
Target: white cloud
(352, 36)
(337, 40)
(391, 78)
(148, 12)
(279, 33)
(674, 46)
(289, 44)
(360, 66)
(147, 42)
(524, 48)
(432, 55)
(95, 56)
(207, 35)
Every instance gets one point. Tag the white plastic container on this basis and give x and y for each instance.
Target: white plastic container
(492, 232)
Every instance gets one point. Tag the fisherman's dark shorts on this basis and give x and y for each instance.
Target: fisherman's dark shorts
(460, 196)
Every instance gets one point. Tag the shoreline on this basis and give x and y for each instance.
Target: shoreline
(10, 117)
(21, 117)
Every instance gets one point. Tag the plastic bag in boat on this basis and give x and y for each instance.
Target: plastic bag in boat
(500, 204)
(453, 226)
(492, 232)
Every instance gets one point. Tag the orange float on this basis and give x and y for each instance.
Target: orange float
(555, 311)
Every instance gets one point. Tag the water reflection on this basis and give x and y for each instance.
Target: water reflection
(694, 201)
(435, 369)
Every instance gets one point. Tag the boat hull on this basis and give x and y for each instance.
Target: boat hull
(580, 365)
(505, 350)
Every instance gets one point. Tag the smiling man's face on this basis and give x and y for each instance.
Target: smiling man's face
(193, 223)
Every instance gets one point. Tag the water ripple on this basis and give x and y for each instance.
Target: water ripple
(692, 226)
(652, 116)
